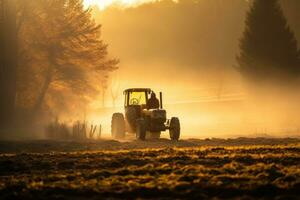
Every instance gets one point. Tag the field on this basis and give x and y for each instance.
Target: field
(190, 169)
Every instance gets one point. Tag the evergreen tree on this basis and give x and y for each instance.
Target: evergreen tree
(268, 48)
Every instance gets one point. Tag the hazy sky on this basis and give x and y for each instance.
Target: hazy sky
(102, 4)
(105, 3)
(194, 41)
(187, 50)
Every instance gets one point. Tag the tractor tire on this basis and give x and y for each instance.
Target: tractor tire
(141, 129)
(118, 126)
(174, 129)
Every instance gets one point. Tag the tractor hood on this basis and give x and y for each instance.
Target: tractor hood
(156, 113)
(159, 113)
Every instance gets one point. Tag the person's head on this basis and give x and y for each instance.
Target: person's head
(153, 95)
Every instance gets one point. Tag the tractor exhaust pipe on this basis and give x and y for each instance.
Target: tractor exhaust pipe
(161, 100)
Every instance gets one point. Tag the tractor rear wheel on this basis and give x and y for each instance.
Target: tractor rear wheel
(141, 129)
(174, 129)
(118, 126)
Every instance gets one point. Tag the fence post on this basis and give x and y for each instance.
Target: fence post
(100, 131)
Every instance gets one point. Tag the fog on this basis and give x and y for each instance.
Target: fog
(187, 50)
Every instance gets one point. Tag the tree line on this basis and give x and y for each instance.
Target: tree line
(51, 56)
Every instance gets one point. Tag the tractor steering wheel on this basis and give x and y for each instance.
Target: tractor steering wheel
(134, 101)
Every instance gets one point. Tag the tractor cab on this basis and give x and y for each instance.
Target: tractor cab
(139, 97)
(136, 101)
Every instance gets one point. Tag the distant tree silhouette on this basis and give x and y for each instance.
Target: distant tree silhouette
(291, 8)
(268, 48)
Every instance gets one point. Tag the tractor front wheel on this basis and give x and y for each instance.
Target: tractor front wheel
(118, 126)
(174, 129)
(141, 129)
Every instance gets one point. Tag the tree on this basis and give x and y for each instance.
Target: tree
(8, 61)
(291, 8)
(51, 55)
(268, 48)
(67, 44)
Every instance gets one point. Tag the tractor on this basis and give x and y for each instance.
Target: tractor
(141, 120)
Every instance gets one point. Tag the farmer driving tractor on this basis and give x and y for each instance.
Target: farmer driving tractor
(153, 102)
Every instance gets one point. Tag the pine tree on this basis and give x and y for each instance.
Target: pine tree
(268, 48)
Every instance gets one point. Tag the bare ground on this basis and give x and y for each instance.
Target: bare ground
(242, 168)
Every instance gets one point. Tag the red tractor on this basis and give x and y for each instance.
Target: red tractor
(142, 120)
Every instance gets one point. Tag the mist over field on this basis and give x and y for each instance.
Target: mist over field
(216, 75)
(188, 50)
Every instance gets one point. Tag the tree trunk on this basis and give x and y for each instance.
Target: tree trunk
(47, 81)
(8, 62)
(40, 100)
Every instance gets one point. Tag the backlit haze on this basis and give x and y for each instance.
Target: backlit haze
(102, 4)
(187, 50)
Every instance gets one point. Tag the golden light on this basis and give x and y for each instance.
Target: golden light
(102, 4)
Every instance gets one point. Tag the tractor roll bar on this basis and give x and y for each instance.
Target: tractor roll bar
(161, 100)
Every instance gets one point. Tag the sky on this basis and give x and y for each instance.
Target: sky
(102, 4)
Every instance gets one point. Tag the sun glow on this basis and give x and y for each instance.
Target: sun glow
(102, 4)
